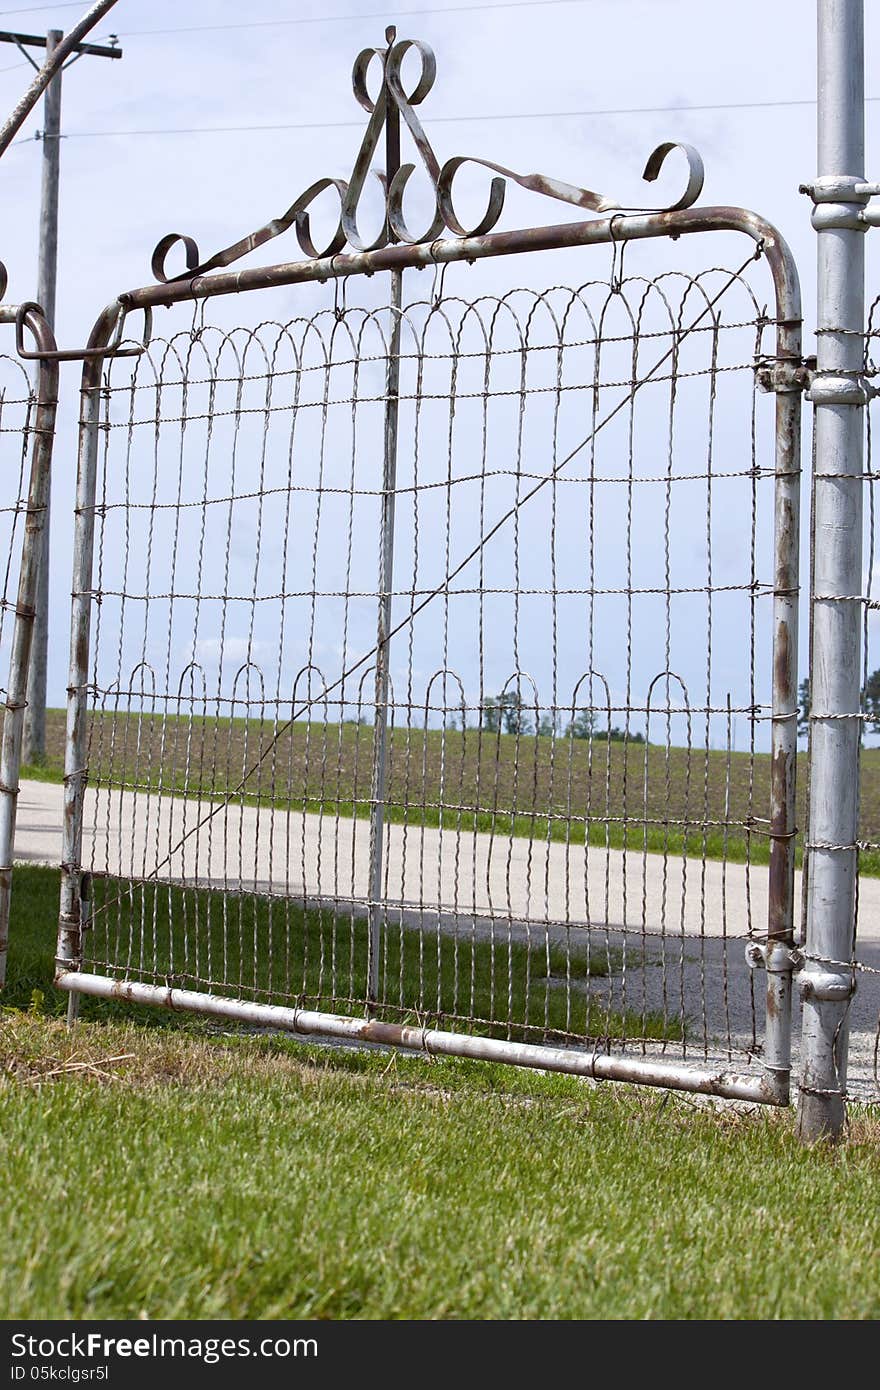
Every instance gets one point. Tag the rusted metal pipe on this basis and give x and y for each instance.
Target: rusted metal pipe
(435, 1043)
(596, 231)
(31, 561)
(783, 762)
(76, 738)
(385, 588)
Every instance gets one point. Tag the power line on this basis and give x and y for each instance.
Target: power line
(384, 15)
(486, 117)
(32, 9)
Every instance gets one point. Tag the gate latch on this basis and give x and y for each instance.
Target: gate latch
(115, 348)
(775, 957)
(780, 375)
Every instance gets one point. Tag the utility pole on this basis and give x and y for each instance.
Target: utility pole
(34, 741)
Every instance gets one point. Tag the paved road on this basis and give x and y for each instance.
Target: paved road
(440, 880)
(292, 852)
(474, 874)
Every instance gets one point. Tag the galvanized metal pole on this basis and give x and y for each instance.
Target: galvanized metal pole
(386, 572)
(34, 747)
(778, 956)
(839, 397)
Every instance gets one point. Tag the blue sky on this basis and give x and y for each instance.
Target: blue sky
(511, 70)
(122, 192)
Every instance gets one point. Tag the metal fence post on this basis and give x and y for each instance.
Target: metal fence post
(839, 397)
(778, 957)
(76, 743)
(32, 550)
(386, 571)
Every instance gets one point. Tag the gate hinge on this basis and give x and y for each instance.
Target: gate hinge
(843, 201)
(841, 388)
(827, 985)
(784, 374)
(776, 957)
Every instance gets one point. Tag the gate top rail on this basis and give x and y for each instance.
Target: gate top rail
(606, 230)
(598, 231)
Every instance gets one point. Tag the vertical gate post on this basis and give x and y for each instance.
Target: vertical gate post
(778, 957)
(68, 950)
(28, 583)
(386, 572)
(839, 398)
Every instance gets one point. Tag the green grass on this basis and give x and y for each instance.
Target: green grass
(174, 1171)
(158, 1174)
(562, 790)
(276, 952)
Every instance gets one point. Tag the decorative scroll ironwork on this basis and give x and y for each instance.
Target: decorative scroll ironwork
(393, 101)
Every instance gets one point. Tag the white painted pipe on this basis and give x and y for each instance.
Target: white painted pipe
(760, 1088)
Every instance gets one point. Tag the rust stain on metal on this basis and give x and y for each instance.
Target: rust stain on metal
(782, 660)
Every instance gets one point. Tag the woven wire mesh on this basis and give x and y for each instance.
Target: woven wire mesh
(576, 763)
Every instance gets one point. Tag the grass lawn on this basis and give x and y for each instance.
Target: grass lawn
(559, 789)
(275, 952)
(173, 1170)
(174, 1173)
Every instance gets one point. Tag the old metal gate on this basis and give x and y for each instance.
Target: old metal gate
(434, 642)
(27, 430)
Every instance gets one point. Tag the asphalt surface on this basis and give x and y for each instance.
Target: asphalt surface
(684, 926)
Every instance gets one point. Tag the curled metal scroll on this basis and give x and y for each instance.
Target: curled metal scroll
(696, 172)
(4, 280)
(393, 102)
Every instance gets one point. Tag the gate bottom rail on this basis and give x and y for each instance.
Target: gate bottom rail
(771, 1088)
